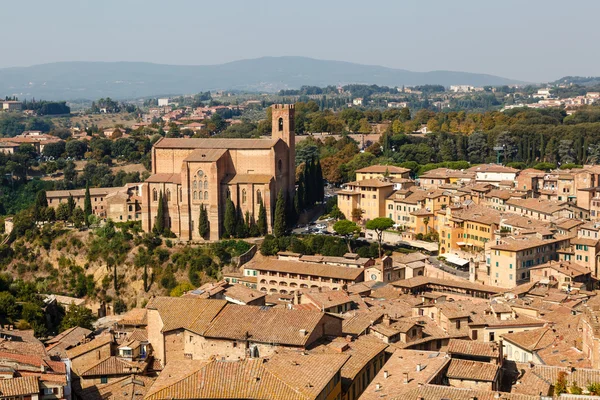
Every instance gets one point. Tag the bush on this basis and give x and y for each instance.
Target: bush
(180, 289)
(269, 246)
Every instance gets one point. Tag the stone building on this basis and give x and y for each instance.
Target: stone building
(191, 173)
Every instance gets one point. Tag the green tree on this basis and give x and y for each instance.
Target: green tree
(78, 217)
(230, 219)
(87, 205)
(279, 223)
(159, 222)
(347, 229)
(203, 224)
(62, 212)
(8, 307)
(379, 225)
(261, 224)
(78, 316)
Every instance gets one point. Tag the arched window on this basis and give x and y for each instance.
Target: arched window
(195, 185)
(168, 195)
(195, 195)
(280, 124)
(205, 195)
(243, 196)
(258, 196)
(154, 195)
(205, 185)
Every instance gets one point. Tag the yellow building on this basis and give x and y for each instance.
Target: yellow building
(367, 195)
(512, 257)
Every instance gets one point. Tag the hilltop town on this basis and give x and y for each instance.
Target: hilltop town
(233, 267)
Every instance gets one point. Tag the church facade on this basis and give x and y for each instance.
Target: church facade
(191, 173)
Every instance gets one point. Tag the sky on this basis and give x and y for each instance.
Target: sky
(529, 40)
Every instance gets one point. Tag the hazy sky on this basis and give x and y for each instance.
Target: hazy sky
(533, 40)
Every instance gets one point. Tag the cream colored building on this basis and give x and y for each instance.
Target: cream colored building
(367, 195)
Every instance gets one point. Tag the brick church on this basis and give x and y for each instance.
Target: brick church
(195, 172)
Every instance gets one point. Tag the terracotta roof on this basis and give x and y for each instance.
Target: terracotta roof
(192, 143)
(135, 316)
(186, 312)
(305, 268)
(70, 337)
(473, 348)
(205, 155)
(472, 370)
(564, 267)
(370, 183)
(538, 205)
(327, 298)
(243, 293)
(583, 376)
(405, 361)
(429, 281)
(164, 178)
(435, 392)
(492, 168)
(360, 322)
(133, 387)
(114, 366)
(81, 192)
(19, 386)
(361, 352)
(519, 243)
(533, 340)
(285, 376)
(585, 241)
(89, 346)
(381, 169)
(265, 324)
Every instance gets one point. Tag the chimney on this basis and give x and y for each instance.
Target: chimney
(302, 332)
(386, 374)
(419, 367)
(405, 377)
(378, 386)
(386, 320)
(349, 338)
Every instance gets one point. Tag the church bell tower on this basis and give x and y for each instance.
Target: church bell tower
(283, 128)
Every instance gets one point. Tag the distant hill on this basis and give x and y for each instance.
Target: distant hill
(120, 80)
(578, 80)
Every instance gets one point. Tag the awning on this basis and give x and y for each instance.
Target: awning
(461, 243)
(451, 258)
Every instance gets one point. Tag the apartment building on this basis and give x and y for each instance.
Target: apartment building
(565, 275)
(467, 228)
(511, 257)
(443, 176)
(548, 210)
(118, 203)
(285, 277)
(367, 195)
(493, 173)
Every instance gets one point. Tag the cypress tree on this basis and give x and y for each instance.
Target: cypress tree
(240, 225)
(203, 225)
(71, 205)
(87, 205)
(319, 181)
(308, 185)
(159, 223)
(300, 196)
(279, 224)
(297, 206)
(230, 220)
(41, 203)
(262, 219)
